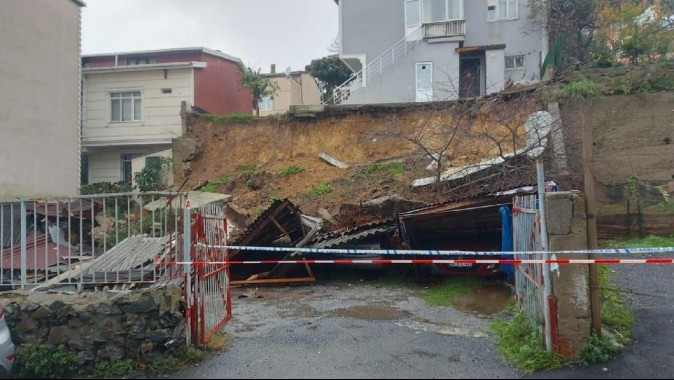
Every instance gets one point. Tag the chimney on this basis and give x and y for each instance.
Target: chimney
(273, 68)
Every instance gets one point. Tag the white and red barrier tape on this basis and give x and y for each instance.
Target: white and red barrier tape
(433, 252)
(418, 262)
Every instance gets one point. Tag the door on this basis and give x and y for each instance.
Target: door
(424, 79)
(469, 84)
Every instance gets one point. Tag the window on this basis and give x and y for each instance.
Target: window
(84, 169)
(126, 175)
(412, 13)
(502, 10)
(442, 10)
(125, 106)
(140, 61)
(266, 103)
(514, 62)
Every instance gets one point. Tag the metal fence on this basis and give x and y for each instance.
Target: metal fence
(529, 282)
(211, 282)
(89, 240)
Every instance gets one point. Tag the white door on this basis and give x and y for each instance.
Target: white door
(424, 79)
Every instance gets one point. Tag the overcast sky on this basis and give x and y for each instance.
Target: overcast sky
(260, 32)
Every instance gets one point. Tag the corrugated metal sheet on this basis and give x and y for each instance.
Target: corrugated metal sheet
(133, 252)
(336, 239)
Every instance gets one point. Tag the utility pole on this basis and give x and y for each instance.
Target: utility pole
(591, 214)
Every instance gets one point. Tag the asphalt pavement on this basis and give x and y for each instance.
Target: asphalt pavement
(339, 330)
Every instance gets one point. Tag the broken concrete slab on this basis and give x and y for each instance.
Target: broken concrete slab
(325, 214)
(333, 161)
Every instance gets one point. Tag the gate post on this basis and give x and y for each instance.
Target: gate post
(187, 267)
(24, 233)
(547, 277)
(567, 229)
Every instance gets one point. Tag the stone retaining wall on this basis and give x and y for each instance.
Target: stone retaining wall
(100, 326)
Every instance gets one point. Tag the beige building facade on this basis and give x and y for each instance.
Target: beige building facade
(295, 88)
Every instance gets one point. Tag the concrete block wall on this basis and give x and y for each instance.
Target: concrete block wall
(567, 230)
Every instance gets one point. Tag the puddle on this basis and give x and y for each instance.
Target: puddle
(490, 299)
(371, 313)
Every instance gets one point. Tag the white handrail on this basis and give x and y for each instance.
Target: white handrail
(376, 66)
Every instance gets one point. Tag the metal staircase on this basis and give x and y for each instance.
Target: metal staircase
(376, 67)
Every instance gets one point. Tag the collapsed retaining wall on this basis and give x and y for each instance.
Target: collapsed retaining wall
(100, 326)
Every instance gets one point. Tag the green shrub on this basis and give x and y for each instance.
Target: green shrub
(192, 356)
(45, 362)
(290, 170)
(122, 367)
(152, 177)
(320, 189)
(162, 365)
(597, 350)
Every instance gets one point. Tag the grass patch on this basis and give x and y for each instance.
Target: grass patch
(211, 186)
(248, 171)
(389, 168)
(635, 242)
(520, 344)
(219, 342)
(320, 189)
(441, 294)
(614, 313)
(232, 117)
(290, 170)
(577, 89)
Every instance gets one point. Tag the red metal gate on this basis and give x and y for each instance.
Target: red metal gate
(211, 307)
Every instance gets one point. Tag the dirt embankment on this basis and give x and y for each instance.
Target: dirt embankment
(275, 158)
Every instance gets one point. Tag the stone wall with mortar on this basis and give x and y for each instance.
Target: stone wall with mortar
(567, 230)
(99, 326)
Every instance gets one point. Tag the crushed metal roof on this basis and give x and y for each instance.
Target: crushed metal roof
(263, 230)
(363, 231)
(131, 260)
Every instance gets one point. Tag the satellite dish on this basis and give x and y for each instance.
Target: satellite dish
(288, 72)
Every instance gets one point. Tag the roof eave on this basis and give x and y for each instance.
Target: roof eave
(154, 66)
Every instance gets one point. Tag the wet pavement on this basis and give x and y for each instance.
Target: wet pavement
(358, 330)
(339, 330)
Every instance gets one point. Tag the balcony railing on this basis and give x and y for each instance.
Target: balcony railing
(452, 28)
